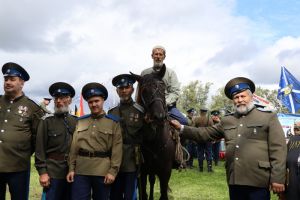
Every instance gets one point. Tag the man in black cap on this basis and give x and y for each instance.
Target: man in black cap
(19, 118)
(131, 117)
(215, 116)
(46, 101)
(255, 144)
(54, 137)
(204, 148)
(191, 145)
(96, 150)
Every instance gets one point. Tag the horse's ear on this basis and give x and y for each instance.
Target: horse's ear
(137, 77)
(162, 71)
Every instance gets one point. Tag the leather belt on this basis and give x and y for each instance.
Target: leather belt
(57, 156)
(100, 154)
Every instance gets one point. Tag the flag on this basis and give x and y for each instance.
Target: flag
(289, 90)
(79, 112)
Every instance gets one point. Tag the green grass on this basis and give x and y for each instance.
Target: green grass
(188, 184)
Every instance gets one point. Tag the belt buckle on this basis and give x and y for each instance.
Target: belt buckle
(91, 154)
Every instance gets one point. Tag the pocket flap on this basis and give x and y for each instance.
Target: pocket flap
(54, 133)
(264, 164)
(230, 127)
(252, 125)
(104, 130)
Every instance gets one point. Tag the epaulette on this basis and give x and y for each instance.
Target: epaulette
(227, 114)
(33, 101)
(139, 107)
(113, 108)
(75, 116)
(264, 110)
(113, 117)
(84, 117)
(47, 115)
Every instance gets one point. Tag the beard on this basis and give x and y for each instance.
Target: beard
(125, 99)
(61, 110)
(157, 65)
(244, 109)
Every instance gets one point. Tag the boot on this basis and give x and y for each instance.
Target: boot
(200, 168)
(209, 166)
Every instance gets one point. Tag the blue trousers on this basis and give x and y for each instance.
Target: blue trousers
(18, 184)
(192, 149)
(176, 114)
(59, 189)
(204, 148)
(215, 151)
(238, 192)
(83, 185)
(124, 186)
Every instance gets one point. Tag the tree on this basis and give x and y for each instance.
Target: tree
(194, 95)
(221, 102)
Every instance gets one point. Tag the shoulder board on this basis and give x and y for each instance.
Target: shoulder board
(73, 116)
(33, 101)
(84, 117)
(113, 108)
(139, 107)
(264, 110)
(47, 115)
(113, 117)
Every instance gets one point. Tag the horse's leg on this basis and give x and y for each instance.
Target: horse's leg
(143, 185)
(152, 182)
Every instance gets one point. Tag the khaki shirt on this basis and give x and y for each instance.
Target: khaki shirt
(131, 121)
(96, 134)
(172, 84)
(18, 123)
(54, 137)
(255, 147)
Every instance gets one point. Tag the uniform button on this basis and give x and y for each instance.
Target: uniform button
(5, 120)
(237, 146)
(241, 124)
(0, 141)
(239, 135)
(11, 101)
(236, 158)
(2, 130)
(8, 110)
(93, 133)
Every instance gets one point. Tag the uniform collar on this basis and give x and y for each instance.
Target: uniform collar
(98, 116)
(129, 102)
(15, 100)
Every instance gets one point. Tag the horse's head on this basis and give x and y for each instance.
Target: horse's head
(151, 94)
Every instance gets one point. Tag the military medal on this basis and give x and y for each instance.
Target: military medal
(254, 130)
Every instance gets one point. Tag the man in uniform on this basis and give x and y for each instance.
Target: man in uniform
(19, 118)
(54, 137)
(255, 144)
(170, 79)
(204, 148)
(191, 146)
(46, 101)
(131, 120)
(215, 116)
(96, 150)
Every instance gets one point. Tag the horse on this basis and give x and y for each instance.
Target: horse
(158, 150)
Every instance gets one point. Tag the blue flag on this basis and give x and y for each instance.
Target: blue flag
(289, 90)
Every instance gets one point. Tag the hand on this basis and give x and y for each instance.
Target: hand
(70, 177)
(277, 187)
(175, 124)
(44, 180)
(109, 179)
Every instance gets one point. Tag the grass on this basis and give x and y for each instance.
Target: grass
(188, 184)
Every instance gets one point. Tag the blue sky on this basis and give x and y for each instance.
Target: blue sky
(79, 41)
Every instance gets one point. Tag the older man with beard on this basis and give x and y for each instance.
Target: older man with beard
(53, 143)
(171, 81)
(255, 144)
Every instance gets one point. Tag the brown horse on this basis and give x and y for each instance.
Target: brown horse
(158, 147)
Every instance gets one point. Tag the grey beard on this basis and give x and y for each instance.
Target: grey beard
(64, 109)
(157, 66)
(243, 110)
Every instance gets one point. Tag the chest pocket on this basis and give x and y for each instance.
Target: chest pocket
(230, 132)
(255, 131)
(55, 138)
(21, 120)
(103, 139)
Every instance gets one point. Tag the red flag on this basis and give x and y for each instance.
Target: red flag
(80, 111)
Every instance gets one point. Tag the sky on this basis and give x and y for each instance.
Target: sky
(77, 41)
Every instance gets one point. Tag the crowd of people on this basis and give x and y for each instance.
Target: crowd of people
(97, 156)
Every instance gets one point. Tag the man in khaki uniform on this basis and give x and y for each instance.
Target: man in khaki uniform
(19, 117)
(96, 150)
(54, 137)
(131, 120)
(255, 144)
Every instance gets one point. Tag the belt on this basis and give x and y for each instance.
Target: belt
(100, 154)
(58, 156)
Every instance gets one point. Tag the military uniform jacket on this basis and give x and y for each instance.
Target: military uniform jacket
(131, 121)
(172, 84)
(54, 137)
(255, 147)
(18, 123)
(100, 134)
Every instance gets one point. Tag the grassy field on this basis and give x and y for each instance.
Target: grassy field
(188, 184)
